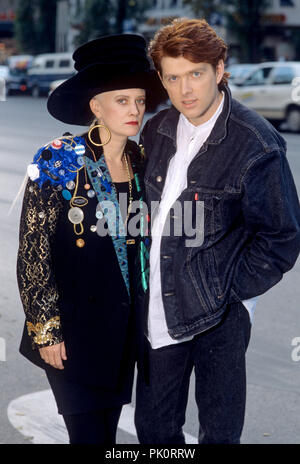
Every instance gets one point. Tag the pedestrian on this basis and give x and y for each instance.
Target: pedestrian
(76, 254)
(229, 165)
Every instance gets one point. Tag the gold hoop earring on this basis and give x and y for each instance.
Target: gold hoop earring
(94, 127)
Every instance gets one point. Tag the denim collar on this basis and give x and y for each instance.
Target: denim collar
(168, 125)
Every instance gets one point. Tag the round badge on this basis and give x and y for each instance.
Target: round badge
(66, 194)
(57, 144)
(75, 215)
(46, 155)
(80, 242)
(99, 214)
(93, 228)
(57, 164)
(79, 149)
(87, 186)
(70, 184)
(80, 160)
(91, 193)
(68, 147)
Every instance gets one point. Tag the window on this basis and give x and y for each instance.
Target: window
(283, 75)
(64, 64)
(258, 77)
(49, 64)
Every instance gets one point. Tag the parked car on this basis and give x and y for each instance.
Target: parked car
(239, 71)
(3, 78)
(55, 84)
(47, 68)
(18, 66)
(4, 71)
(270, 89)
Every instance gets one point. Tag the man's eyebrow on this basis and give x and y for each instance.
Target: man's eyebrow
(197, 68)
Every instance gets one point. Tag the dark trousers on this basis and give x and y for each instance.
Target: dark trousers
(99, 427)
(218, 358)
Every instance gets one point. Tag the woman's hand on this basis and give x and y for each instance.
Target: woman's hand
(54, 355)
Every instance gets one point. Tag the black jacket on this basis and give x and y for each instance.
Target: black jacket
(75, 294)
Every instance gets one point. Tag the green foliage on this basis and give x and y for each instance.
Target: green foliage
(203, 8)
(101, 17)
(35, 26)
(242, 19)
(24, 30)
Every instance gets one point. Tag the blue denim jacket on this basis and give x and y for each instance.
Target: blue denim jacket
(251, 216)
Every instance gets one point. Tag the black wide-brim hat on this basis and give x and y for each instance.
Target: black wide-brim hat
(108, 63)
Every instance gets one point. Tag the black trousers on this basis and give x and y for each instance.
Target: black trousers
(218, 359)
(97, 427)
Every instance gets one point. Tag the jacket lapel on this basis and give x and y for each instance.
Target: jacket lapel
(101, 181)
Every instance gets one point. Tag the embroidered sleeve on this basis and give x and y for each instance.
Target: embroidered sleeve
(38, 292)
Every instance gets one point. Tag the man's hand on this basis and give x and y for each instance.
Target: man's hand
(54, 355)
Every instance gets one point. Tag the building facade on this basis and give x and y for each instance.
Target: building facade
(281, 21)
(282, 39)
(7, 17)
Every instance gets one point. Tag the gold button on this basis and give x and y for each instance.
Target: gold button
(80, 242)
(159, 179)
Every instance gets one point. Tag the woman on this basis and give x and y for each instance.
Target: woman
(76, 258)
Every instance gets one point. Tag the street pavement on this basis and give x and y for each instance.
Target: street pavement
(273, 401)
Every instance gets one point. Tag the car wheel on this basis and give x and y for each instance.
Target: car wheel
(293, 120)
(35, 92)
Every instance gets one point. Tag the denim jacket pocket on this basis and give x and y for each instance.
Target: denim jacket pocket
(213, 222)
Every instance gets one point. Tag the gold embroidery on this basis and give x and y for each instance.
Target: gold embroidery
(36, 281)
(43, 331)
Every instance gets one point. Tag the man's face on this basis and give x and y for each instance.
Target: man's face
(192, 87)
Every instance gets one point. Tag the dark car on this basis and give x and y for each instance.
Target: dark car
(16, 81)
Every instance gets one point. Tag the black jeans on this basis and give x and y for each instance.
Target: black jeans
(96, 427)
(218, 357)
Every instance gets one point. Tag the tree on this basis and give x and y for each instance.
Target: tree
(35, 25)
(101, 17)
(46, 25)
(24, 27)
(204, 8)
(245, 22)
(242, 18)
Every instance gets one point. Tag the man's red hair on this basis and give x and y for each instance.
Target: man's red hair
(194, 39)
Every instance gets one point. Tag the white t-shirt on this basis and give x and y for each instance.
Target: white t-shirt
(190, 138)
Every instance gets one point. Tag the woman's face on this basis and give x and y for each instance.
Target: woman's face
(121, 111)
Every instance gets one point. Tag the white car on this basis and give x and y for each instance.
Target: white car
(55, 84)
(239, 71)
(273, 90)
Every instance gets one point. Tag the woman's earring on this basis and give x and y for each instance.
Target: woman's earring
(94, 127)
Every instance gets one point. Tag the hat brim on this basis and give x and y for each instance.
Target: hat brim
(69, 102)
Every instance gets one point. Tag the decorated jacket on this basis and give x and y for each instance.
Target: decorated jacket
(63, 179)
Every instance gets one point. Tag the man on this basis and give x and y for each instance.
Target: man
(208, 149)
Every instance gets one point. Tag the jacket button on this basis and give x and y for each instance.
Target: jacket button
(159, 179)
